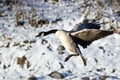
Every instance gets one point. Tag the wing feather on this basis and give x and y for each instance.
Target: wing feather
(91, 34)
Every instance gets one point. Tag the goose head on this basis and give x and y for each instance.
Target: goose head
(41, 34)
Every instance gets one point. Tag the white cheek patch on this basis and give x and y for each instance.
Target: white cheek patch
(42, 34)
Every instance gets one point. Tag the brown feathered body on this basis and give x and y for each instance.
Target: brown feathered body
(66, 40)
(70, 45)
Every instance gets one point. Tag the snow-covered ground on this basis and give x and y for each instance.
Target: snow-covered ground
(22, 55)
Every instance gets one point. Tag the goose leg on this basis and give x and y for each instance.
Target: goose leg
(77, 55)
(69, 56)
(80, 56)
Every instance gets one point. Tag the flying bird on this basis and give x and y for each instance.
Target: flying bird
(70, 40)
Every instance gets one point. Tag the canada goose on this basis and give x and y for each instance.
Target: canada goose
(67, 41)
(70, 40)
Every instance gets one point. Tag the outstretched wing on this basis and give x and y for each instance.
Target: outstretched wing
(91, 34)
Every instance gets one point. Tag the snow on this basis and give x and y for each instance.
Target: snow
(102, 55)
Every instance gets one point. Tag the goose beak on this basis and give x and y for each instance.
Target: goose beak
(37, 36)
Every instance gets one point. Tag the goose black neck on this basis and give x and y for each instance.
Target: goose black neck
(51, 31)
(46, 33)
